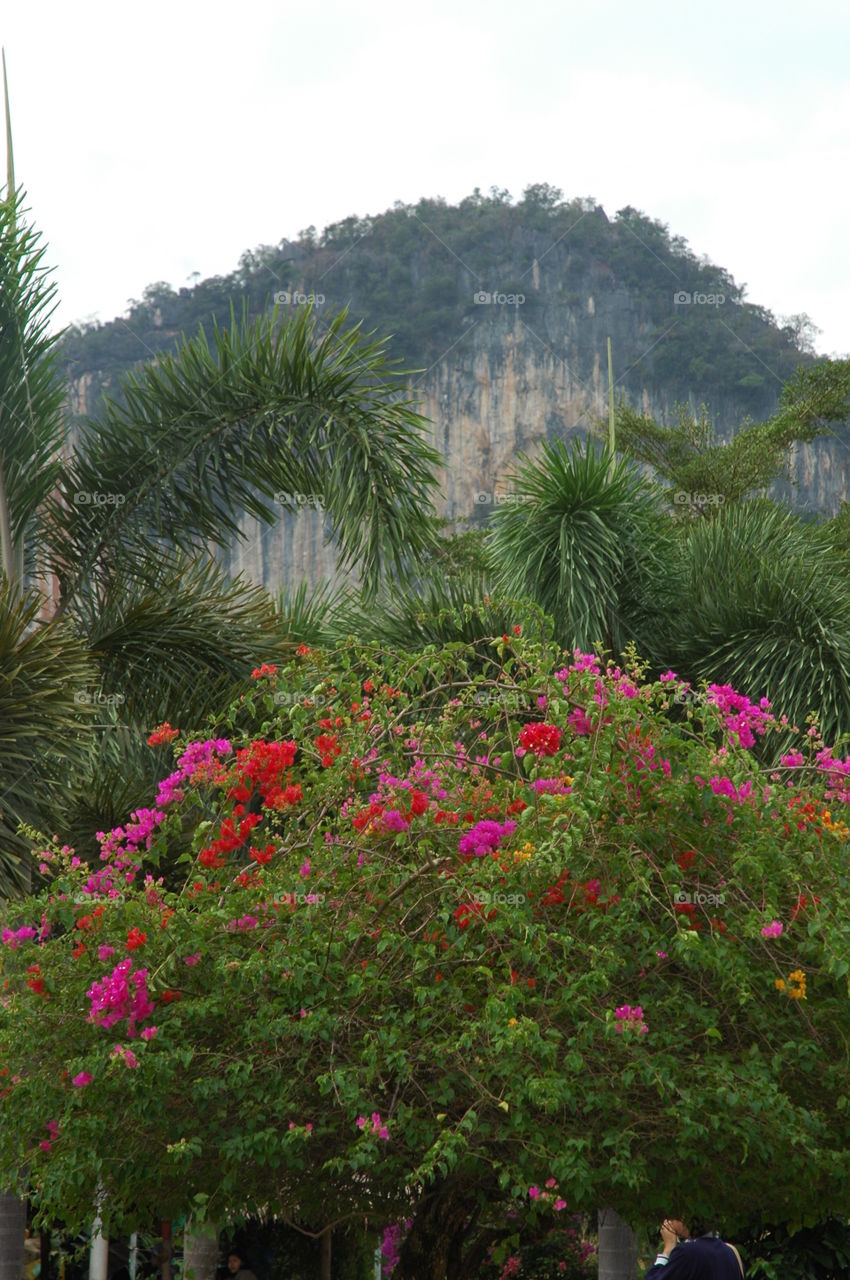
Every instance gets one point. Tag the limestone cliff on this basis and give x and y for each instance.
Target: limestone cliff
(507, 308)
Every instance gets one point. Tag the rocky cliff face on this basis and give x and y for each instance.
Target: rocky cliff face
(521, 373)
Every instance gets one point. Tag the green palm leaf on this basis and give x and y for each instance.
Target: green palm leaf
(583, 542)
(764, 605)
(181, 627)
(246, 425)
(31, 392)
(43, 668)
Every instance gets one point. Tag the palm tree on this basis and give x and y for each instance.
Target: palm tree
(585, 540)
(764, 605)
(124, 521)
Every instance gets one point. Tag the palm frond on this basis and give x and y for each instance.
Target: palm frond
(44, 669)
(764, 607)
(181, 625)
(580, 540)
(263, 420)
(31, 391)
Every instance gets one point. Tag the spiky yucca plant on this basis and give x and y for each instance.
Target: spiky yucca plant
(584, 540)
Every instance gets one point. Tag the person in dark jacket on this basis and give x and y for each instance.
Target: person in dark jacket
(701, 1256)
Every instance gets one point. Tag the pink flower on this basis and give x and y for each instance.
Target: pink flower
(81, 1080)
(104, 952)
(662, 955)
(149, 1033)
(130, 1059)
(559, 1205)
(304, 869)
(193, 959)
(772, 930)
(534, 1193)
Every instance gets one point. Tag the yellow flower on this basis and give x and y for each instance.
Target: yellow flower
(797, 976)
(779, 984)
(512, 1022)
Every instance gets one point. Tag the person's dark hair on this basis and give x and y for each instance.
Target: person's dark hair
(235, 1253)
(698, 1226)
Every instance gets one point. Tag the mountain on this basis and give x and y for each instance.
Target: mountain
(503, 309)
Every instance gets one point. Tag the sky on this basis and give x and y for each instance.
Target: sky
(163, 139)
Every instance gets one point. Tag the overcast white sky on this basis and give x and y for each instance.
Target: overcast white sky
(159, 139)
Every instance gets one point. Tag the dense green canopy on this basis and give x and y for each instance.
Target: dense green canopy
(403, 932)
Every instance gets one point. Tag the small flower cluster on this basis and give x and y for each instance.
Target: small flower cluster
(484, 838)
(795, 988)
(123, 994)
(541, 739)
(743, 719)
(162, 733)
(631, 1019)
(378, 1126)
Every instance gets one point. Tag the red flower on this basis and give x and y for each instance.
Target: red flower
(267, 669)
(79, 950)
(685, 859)
(263, 855)
(162, 733)
(517, 631)
(36, 983)
(170, 997)
(328, 747)
(418, 803)
(303, 650)
(542, 739)
(368, 687)
(135, 938)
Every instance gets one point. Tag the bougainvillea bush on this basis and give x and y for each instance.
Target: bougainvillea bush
(398, 943)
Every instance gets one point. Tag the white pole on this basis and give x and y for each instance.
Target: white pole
(99, 1256)
(133, 1260)
(378, 1263)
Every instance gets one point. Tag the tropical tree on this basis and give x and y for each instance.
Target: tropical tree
(705, 472)
(384, 952)
(587, 539)
(121, 518)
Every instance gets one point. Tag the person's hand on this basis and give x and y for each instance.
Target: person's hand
(671, 1230)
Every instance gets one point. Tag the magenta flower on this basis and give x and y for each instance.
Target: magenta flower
(772, 930)
(82, 1079)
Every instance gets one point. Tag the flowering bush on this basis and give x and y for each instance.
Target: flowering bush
(408, 952)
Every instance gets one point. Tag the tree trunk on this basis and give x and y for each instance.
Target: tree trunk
(13, 1231)
(442, 1243)
(327, 1240)
(200, 1252)
(165, 1252)
(618, 1258)
(99, 1255)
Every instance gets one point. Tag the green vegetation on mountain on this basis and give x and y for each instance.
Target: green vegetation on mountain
(412, 273)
